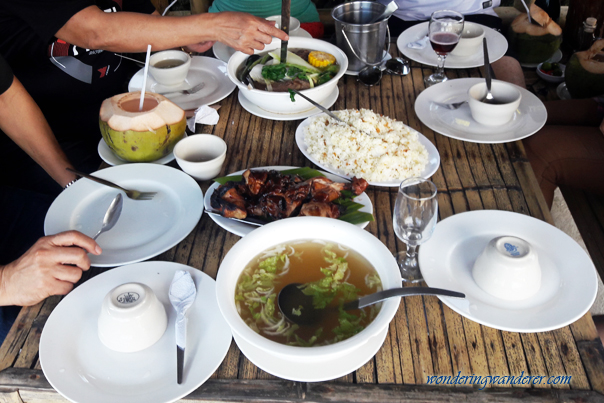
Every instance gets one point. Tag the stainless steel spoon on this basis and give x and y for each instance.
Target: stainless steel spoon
(487, 72)
(298, 307)
(112, 215)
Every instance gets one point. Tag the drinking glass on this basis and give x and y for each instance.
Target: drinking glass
(414, 219)
(444, 31)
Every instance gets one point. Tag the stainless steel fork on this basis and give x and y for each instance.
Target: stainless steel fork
(132, 194)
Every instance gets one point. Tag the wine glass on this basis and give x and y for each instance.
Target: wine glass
(444, 31)
(414, 219)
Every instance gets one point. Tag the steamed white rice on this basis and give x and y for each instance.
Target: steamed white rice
(382, 150)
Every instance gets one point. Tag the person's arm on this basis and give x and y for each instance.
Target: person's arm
(92, 28)
(22, 120)
(50, 267)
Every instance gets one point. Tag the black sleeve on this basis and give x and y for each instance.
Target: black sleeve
(6, 76)
(139, 6)
(45, 17)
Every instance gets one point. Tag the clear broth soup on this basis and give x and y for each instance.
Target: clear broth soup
(315, 264)
(168, 63)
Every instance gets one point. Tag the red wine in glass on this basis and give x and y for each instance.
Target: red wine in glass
(443, 42)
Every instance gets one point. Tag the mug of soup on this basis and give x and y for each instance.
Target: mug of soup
(170, 67)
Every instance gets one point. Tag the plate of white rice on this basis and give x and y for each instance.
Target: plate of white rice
(379, 149)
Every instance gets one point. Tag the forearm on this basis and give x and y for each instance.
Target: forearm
(22, 120)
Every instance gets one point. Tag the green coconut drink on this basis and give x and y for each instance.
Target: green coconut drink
(585, 72)
(141, 136)
(536, 41)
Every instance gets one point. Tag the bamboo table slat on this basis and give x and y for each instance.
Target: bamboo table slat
(426, 337)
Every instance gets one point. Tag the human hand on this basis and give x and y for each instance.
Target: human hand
(199, 47)
(50, 267)
(244, 32)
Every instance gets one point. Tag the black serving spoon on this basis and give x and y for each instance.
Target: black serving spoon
(298, 308)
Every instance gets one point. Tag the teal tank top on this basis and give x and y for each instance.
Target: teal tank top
(304, 10)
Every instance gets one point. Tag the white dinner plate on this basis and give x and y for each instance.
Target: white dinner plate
(208, 70)
(459, 124)
(242, 229)
(110, 158)
(429, 170)
(224, 52)
(312, 372)
(568, 276)
(556, 57)
(83, 370)
(145, 228)
(257, 111)
(496, 43)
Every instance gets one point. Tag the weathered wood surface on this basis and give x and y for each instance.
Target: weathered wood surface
(426, 338)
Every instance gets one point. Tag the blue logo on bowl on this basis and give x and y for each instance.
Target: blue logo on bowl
(128, 298)
(511, 249)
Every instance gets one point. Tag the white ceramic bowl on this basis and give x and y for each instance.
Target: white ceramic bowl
(508, 268)
(280, 102)
(294, 23)
(171, 76)
(470, 41)
(131, 318)
(494, 114)
(306, 228)
(201, 155)
(550, 78)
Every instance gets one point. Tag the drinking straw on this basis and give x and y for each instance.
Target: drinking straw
(145, 71)
(528, 13)
(167, 8)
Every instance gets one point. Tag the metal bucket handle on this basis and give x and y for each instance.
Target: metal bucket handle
(360, 58)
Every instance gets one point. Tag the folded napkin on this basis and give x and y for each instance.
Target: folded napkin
(420, 44)
(205, 115)
(182, 296)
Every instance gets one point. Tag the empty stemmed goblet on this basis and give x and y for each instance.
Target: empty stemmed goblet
(414, 219)
(444, 30)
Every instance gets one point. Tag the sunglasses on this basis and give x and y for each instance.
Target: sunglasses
(372, 75)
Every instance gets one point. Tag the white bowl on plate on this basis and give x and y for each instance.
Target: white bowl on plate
(494, 114)
(201, 155)
(280, 102)
(470, 41)
(131, 319)
(508, 268)
(171, 76)
(551, 78)
(306, 228)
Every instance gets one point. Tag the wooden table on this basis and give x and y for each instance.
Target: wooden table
(426, 337)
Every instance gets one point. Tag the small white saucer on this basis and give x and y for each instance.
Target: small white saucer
(312, 372)
(257, 111)
(556, 57)
(110, 158)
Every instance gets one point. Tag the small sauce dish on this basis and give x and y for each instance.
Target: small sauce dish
(132, 318)
(201, 155)
(507, 99)
(170, 67)
(508, 268)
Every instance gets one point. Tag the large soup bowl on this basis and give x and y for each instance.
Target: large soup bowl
(280, 102)
(306, 228)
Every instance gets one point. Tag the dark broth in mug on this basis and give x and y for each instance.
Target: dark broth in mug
(322, 267)
(168, 63)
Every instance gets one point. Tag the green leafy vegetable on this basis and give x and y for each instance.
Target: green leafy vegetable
(274, 72)
(292, 95)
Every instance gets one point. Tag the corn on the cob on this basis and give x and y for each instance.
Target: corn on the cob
(321, 59)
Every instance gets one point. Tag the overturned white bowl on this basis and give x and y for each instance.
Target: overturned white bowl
(131, 318)
(306, 228)
(508, 268)
(470, 41)
(507, 95)
(280, 102)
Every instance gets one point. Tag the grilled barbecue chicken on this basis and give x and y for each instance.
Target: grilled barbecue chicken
(271, 195)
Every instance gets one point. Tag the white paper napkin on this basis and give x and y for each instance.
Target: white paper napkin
(204, 115)
(420, 44)
(182, 296)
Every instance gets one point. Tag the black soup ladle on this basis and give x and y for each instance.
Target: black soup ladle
(298, 308)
